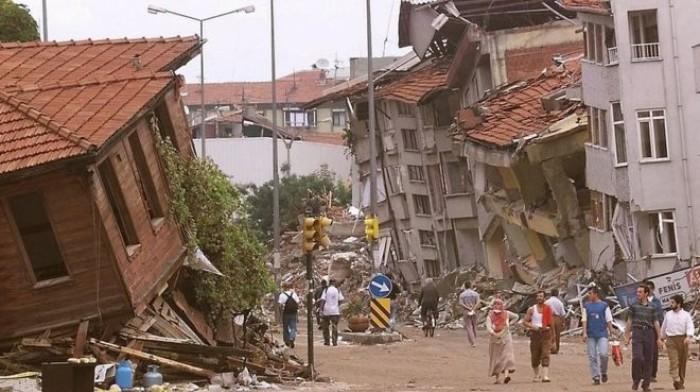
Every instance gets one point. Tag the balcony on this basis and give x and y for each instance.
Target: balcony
(612, 56)
(645, 52)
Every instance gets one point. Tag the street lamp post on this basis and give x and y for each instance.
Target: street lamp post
(152, 9)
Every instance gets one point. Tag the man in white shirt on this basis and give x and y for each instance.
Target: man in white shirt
(331, 299)
(677, 332)
(289, 306)
(558, 315)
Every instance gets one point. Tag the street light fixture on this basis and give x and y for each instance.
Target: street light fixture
(153, 9)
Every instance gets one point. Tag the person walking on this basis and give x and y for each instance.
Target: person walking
(558, 314)
(597, 321)
(289, 306)
(393, 295)
(318, 293)
(469, 301)
(331, 300)
(676, 333)
(642, 329)
(429, 299)
(501, 354)
(538, 321)
(659, 307)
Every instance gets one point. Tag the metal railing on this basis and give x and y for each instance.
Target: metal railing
(612, 55)
(647, 51)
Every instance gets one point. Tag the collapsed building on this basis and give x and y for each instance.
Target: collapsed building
(85, 228)
(525, 143)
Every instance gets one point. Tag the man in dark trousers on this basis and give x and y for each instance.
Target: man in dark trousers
(656, 302)
(395, 291)
(642, 330)
(318, 293)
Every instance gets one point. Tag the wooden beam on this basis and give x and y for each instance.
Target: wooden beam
(155, 359)
(81, 339)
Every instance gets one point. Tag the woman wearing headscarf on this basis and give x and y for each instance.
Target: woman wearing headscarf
(501, 356)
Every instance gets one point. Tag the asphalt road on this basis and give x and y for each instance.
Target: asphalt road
(447, 363)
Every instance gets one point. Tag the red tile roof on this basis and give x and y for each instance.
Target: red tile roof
(297, 88)
(61, 100)
(595, 6)
(516, 110)
(70, 61)
(417, 85)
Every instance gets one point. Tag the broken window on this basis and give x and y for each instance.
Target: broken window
(432, 268)
(644, 35)
(599, 44)
(404, 109)
(599, 128)
(652, 134)
(427, 237)
(437, 188)
(415, 173)
(37, 235)
(410, 139)
(619, 138)
(422, 204)
(602, 209)
(148, 187)
(444, 108)
(393, 175)
(662, 226)
(458, 175)
(165, 125)
(427, 115)
(339, 118)
(117, 203)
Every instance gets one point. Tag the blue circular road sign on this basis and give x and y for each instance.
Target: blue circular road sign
(380, 286)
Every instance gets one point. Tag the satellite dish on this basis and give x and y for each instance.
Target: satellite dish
(322, 63)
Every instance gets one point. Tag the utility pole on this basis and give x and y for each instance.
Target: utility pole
(275, 158)
(372, 130)
(203, 128)
(44, 20)
(310, 313)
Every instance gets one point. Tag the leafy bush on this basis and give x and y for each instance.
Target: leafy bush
(212, 213)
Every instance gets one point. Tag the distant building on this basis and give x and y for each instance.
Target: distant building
(293, 92)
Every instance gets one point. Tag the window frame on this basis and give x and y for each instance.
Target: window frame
(652, 135)
(414, 139)
(607, 209)
(130, 248)
(661, 221)
(639, 15)
(614, 123)
(422, 211)
(19, 241)
(598, 125)
(429, 271)
(339, 112)
(150, 199)
(428, 235)
(416, 169)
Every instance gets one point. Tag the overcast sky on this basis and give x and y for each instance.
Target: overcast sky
(238, 45)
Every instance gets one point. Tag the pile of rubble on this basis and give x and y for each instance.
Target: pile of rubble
(253, 358)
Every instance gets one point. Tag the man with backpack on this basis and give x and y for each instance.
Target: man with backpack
(289, 306)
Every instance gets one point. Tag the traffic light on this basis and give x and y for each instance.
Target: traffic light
(322, 238)
(308, 234)
(372, 228)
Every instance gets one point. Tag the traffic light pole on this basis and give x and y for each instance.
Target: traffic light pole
(310, 314)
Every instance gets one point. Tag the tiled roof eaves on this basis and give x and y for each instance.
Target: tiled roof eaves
(31, 44)
(46, 121)
(24, 88)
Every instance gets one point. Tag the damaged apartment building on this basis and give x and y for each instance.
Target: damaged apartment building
(641, 82)
(429, 206)
(85, 229)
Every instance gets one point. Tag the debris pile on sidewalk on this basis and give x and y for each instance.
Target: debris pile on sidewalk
(153, 339)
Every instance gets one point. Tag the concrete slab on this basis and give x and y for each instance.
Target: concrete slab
(366, 338)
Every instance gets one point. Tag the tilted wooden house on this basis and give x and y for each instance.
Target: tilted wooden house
(85, 231)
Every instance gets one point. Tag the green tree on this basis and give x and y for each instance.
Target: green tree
(293, 192)
(16, 23)
(212, 212)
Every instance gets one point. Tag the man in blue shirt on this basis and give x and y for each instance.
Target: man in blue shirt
(597, 321)
(656, 303)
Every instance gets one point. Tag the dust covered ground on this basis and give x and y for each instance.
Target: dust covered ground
(447, 363)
